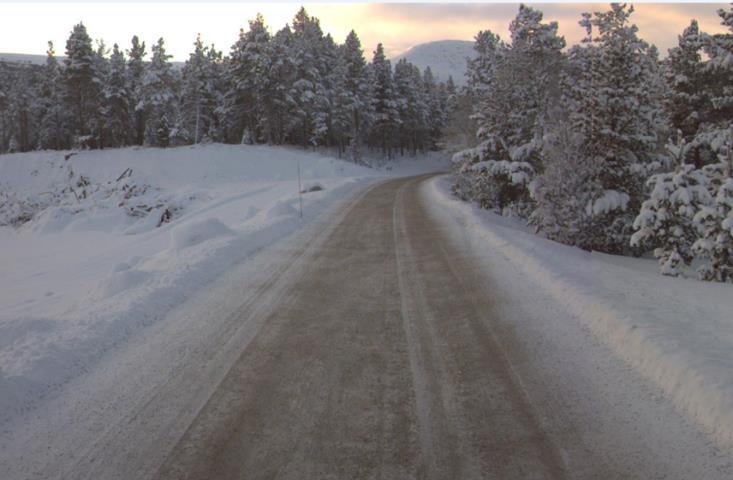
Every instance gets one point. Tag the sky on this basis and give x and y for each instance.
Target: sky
(26, 27)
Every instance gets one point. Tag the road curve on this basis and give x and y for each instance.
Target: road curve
(380, 363)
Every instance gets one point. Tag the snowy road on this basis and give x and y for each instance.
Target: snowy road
(371, 345)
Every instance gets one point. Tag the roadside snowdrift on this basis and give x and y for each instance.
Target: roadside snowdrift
(676, 332)
(99, 244)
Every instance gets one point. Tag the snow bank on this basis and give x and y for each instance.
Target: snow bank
(193, 233)
(120, 281)
(111, 240)
(281, 209)
(676, 332)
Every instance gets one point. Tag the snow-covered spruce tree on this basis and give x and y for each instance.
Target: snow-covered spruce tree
(684, 100)
(308, 90)
(412, 108)
(516, 85)
(612, 107)
(460, 126)
(199, 93)
(718, 70)
(665, 221)
(435, 109)
(451, 109)
(21, 109)
(532, 68)
(444, 99)
(248, 100)
(481, 74)
(565, 189)
(282, 74)
(216, 66)
(691, 83)
(705, 91)
(98, 120)
(193, 109)
(158, 97)
(135, 74)
(53, 128)
(177, 134)
(353, 99)
(4, 120)
(81, 81)
(714, 222)
(117, 111)
(332, 81)
(384, 103)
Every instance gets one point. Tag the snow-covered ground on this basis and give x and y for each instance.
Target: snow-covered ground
(100, 259)
(678, 333)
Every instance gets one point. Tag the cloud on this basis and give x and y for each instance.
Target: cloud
(398, 26)
(659, 24)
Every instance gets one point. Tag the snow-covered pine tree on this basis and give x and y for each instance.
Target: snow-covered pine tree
(281, 77)
(412, 108)
(384, 103)
(199, 93)
(665, 221)
(452, 103)
(435, 108)
(566, 187)
(21, 112)
(339, 112)
(714, 222)
(98, 120)
(117, 111)
(718, 71)
(481, 74)
(81, 82)
(159, 97)
(684, 100)
(308, 90)
(610, 101)
(248, 102)
(194, 83)
(353, 98)
(515, 86)
(460, 126)
(135, 74)
(532, 67)
(216, 66)
(53, 128)
(332, 84)
(4, 114)
(703, 91)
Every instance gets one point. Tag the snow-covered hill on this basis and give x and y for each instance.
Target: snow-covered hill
(445, 58)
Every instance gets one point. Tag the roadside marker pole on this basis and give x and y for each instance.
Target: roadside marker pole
(300, 191)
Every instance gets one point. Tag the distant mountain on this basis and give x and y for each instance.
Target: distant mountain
(444, 57)
(41, 59)
(23, 58)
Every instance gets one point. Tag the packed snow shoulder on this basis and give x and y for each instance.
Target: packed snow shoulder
(676, 332)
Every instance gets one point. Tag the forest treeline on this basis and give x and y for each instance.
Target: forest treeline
(603, 145)
(296, 86)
